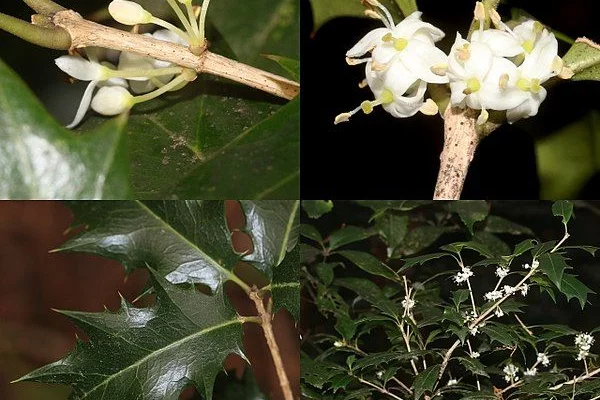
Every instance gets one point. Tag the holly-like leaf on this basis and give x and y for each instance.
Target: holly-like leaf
(425, 381)
(317, 208)
(39, 159)
(392, 228)
(285, 286)
(369, 263)
(470, 211)
(185, 241)
(150, 353)
(584, 59)
(553, 266)
(346, 235)
(234, 389)
(564, 209)
(572, 287)
(273, 226)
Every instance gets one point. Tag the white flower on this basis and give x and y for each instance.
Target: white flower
(535, 264)
(337, 343)
(540, 65)
(474, 331)
(408, 303)
(498, 312)
(112, 100)
(502, 272)
(524, 289)
(509, 289)
(493, 295)
(129, 13)
(480, 80)
(464, 275)
(474, 354)
(452, 382)
(543, 358)
(530, 372)
(379, 374)
(584, 342)
(510, 373)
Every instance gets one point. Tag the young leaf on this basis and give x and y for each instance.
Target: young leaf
(150, 353)
(553, 266)
(317, 208)
(369, 263)
(425, 381)
(42, 160)
(186, 241)
(584, 59)
(470, 211)
(564, 209)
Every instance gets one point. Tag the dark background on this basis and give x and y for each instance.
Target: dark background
(378, 156)
(34, 281)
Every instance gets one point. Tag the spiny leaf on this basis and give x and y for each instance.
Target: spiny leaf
(186, 241)
(150, 353)
(285, 287)
(392, 228)
(317, 208)
(564, 209)
(39, 159)
(572, 287)
(553, 266)
(369, 263)
(425, 381)
(470, 211)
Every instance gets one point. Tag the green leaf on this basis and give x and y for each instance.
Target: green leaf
(459, 297)
(317, 208)
(346, 235)
(371, 293)
(590, 249)
(285, 286)
(459, 246)
(573, 288)
(497, 246)
(523, 247)
(291, 66)
(542, 248)
(407, 6)
(311, 232)
(234, 389)
(273, 226)
(392, 228)
(494, 224)
(473, 365)
(553, 266)
(150, 353)
(584, 59)
(380, 206)
(470, 211)
(420, 260)
(420, 238)
(185, 241)
(425, 381)
(501, 333)
(345, 326)
(39, 159)
(564, 209)
(325, 272)
(369, 263)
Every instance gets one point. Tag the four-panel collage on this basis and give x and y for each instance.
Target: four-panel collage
(161, 229)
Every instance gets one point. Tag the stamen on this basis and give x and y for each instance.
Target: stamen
(372, 14)
(440, 69)
(473, 85)
(528, 46)
(357, 61)
(429, 107)
(535, 85)
(479, 11)
(362, 84)
(483, 117)
(387, 37)
(343, 117)
(524, 84)
(400, 44)
(464, 53)
(387, 97)
(367, 107)
(503, 81)
(496, 19)
(375, 66)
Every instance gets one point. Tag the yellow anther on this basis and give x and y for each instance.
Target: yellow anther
(439, 69)
(495, 17)
(479, 11)
(377, 67)
(538, 27)
(483, 117)
(524, 84)
(528, 46)
(343, 117)
(463, 53)
(473, 85)
(400, 44)
(429, 107)
(387, 97)
(387, 37)
(367, 107)
(503, 81)
(535, 85)
(363, 84)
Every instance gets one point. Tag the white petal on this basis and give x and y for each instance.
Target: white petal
(538, 64)
(480, 61)
(503, 44)
(456, 68)
(412, 24)
(129, 61)
(399, 79)
(112, 100)
(407, 106)
(169, 36)
(495, 98)
(367, 43)
(419, 57)
(384, 53)
(528, 108)
(525, 31)
(457, 97)
(80, 68)
(84, 105)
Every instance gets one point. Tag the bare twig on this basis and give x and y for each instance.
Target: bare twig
(267, 326)
(577, 379)
(379, 388)
(86, 33)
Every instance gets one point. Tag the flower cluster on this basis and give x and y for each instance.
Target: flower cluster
(118, 75)
(510, 373)
(584, 342)
(543, 359)
(464, 275)
(496, 69)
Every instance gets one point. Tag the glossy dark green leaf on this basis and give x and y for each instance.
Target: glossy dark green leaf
(495, 224)
(234, 389)
(460, 246)
(543, 248)
(554, 331)
(553, 266)
(392, 228)
(564, 209)
(590, 249)
(573, 288)
(369, 263)
(371, 293)
(325, 272)
(317, 208)
(39, 159)
(473, 365)
(459, 297)
(150, 353)
(470, 211)
(420, 238)
(492, 242)
(310, 232)
(500, 333)
(346, 235)
(425, 381)
(345, 326)
(185, 241)
(285, 286)
(274, 227)
(523, 247)
(420, 260)
(376, 359)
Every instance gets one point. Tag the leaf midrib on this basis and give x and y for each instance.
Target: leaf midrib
(163, 349)
(288, 230)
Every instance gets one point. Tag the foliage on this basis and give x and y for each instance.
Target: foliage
(183, 337)
(431, 302)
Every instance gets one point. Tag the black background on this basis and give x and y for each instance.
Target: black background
(378, 156)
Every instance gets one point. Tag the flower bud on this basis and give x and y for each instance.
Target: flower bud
(129, 13)
(112, 100)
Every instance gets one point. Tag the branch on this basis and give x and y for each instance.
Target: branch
(45, 7)
(84, 33)
(575, 380)
(267, 327)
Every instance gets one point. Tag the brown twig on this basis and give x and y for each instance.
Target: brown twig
(86, 33)
(265, 316)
